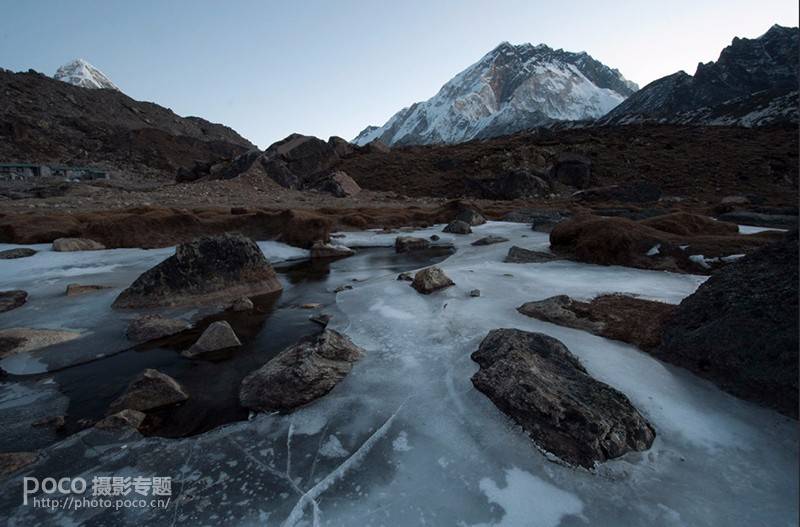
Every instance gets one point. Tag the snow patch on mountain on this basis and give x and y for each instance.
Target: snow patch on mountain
(80, 73)
(510, 89)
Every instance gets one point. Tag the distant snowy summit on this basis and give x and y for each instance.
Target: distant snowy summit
(81, 73)
(511, 88)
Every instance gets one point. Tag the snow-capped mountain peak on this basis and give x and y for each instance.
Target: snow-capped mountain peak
(80, 73)
(511, 88)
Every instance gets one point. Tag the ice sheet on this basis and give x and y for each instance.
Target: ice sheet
(416, 444)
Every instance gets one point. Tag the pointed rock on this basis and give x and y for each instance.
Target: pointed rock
(217, 336)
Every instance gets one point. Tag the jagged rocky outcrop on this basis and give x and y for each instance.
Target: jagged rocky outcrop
(300, 374)
(535, 380)
(754, 82)
(297, 162)
(209, 269)
(740, 328)
(511, 88)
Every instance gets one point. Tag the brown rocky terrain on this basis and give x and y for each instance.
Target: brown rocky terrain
(43, 120)
(685, 169)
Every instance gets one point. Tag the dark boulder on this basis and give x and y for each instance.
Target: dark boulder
(573, 169)
(151, 389)
(633, 192)
(516, 184)
(740, 328)
(519, 255)
(339, 184)
(430, 279)
(12, 299)
(20, 252)
(619, 317)
(217, 336)
(300, 374)
(489, 240)
(535, 380)
(322, 250)
(82, 289)
(151, 327)
(779, 221)
(541, 220)
(210, 269)
(458, 227)
(403, 244)
(673, 242)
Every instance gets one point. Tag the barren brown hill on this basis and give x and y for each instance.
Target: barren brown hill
(695, 161)
(43, 120)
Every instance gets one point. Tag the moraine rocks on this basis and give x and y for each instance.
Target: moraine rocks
(740, 328)
(12, 299)
(534, 379)
(458, 227)
(13, 254)
(151, 389)
(300, 374)
(151, 327)
(620, 317)
(322, 250)
(519, 255)
(209, 269)
(404, 244)
(430, 279)
(218, 336)
(489, 240)
(76, 244)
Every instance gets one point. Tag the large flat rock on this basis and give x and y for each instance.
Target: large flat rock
(209, 269)
(536, 381)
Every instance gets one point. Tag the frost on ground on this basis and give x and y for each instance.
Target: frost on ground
(406, 440)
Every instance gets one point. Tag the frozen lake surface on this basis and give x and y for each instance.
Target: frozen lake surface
(405, 439)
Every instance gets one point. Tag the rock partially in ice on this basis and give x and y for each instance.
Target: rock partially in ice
(489, 240)
(218, 336)
(11, 462)
(322, 250)
(431, 279)
(520, 255)
(81, 289)
(151, 389)
(12, 299)
(19, 340)
(209, 269)
(404, 244)
(21, 252)
(621, 317)
(242, 304)
(300, 374)
(76, 244)
(151, 327)
(123, 419)
(458, 227)
(536, 380)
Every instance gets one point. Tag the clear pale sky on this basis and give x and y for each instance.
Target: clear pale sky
(269, 68)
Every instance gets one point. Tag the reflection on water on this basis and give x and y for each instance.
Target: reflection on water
(276, 322)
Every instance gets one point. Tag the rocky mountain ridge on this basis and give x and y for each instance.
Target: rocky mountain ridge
(754, 82)
(511, 88)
